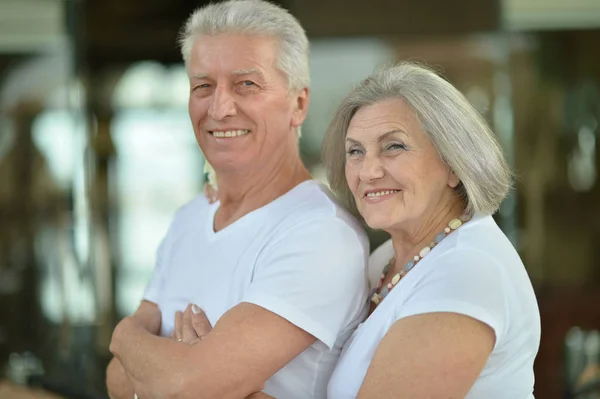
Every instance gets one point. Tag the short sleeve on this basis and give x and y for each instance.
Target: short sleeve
(462, 281)
(314, 276)
(155, 286)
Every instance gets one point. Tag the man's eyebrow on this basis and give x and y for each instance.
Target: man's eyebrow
(238, 73)
(244, 72)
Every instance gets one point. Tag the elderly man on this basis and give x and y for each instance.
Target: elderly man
(275, 264)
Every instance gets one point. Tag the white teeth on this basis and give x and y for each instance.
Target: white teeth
(231, 133)
(380, 193)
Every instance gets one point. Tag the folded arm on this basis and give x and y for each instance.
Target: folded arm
(118, 383)
(247, 346)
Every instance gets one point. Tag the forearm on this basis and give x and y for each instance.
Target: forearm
(119, 384)
(117, 381)
(168, 369)
(151, 362)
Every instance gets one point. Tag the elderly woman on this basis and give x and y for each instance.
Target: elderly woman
(453, 313)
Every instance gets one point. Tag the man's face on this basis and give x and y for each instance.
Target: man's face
(240, 105)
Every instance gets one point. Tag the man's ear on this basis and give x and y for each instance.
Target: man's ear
(300, 108)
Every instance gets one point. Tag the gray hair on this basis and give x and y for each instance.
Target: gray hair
(461, 136)
(257, 18)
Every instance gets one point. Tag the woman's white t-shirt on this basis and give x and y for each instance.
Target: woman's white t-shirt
(474, 271)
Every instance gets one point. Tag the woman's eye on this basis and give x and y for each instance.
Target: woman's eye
(395, 146)
(353, 151)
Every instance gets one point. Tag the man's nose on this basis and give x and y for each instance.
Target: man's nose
(222, 105)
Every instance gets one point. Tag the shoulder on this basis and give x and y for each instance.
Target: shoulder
(483, 234)
(313, 230)
(310, 209)
(314, 198)
(464, 275)
(323, 238)
(461, 264)
(480, 245)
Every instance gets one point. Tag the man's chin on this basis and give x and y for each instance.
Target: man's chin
(229, 163)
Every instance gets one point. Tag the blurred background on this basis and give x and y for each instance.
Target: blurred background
(97, 153)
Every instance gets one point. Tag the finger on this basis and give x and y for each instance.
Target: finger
(177, 331)
(188, 333)
(200, 322)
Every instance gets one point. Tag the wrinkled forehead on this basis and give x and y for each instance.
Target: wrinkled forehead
(370, 122)
(233, 52)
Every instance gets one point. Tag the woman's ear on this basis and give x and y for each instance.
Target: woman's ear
(453, 180)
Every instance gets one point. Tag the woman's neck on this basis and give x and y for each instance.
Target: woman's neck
(408, 240)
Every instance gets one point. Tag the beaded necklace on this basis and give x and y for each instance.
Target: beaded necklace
(380, 292)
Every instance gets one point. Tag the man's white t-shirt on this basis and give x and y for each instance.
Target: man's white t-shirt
(300, 256)
(474, 271)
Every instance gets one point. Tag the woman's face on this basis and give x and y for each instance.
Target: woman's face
(392, 167)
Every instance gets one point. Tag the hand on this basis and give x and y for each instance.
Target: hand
(211, 193)
(191, 325)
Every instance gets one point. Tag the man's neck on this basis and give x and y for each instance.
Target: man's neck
(242, 193)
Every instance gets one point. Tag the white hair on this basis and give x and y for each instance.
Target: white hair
(257, 18)
(461, 136)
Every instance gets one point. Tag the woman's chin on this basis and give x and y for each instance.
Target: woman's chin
(377, 223)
